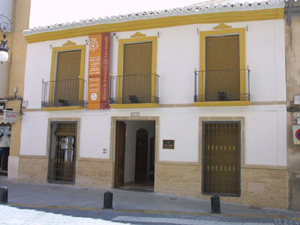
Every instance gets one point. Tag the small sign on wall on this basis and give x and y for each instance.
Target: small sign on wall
(168, 144)
(296, 134)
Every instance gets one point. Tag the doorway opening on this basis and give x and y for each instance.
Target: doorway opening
(62, 152)
(5, 133)
(135, 155)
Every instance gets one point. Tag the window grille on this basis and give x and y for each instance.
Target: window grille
(62, 152)
(221, 158)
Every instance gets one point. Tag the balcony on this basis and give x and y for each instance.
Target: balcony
(134, 90)
(222, 87)
(63, 93)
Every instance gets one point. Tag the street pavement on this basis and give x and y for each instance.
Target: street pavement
(45, 204)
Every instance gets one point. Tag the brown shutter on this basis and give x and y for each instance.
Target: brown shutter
(137, 72)
(222, 66)
(67, 78)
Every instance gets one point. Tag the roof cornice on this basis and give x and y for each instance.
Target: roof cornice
(156, 19)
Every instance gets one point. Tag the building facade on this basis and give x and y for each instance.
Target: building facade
(188, 101)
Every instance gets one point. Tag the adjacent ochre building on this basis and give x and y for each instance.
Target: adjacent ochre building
(12, 83)
(188, 101)
(292, 30)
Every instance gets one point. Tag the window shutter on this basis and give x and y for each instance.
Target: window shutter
(222, 68)
(137, 72)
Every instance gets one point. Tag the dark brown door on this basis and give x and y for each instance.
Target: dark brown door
(152, 158)
(120, 154)
(141, 155)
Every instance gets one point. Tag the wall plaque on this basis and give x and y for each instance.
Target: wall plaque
(168, 144)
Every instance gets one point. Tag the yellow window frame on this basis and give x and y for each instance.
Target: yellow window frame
(55, 52)
(122, 43)
(242, 44)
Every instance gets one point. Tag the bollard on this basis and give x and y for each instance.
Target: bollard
(108, 200)
(215, 204)
(3, 194)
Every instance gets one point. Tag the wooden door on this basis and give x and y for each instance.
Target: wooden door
(141, 155)
(120, 154)
(152, 158)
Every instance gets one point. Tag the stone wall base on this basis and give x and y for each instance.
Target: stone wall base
(33, 169)
(94, 173)
(260, 187)
(89, 172)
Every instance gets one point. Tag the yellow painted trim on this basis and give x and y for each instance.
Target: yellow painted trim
(122, 42)
(223, 17)
(63, 108)
(229, 103)
(138, 34)
(242, 45)
(138, 105)
(222, 26)
(53, 68)
(69, 43)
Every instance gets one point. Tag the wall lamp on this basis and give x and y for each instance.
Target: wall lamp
(5, 26)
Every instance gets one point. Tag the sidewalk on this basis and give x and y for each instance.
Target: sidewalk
(82, 198)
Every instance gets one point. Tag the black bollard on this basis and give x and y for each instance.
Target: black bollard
(215, 204)
(3, 194)
(108, 200)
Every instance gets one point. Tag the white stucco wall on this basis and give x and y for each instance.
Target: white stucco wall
(177, 57)
(264, 132)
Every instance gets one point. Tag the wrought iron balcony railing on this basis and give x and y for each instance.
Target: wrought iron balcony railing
(222, 85)
(134, 88)
(63, 93)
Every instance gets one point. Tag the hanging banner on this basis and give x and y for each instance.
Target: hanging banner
(98, 81)
(94, 72)
(104, 95)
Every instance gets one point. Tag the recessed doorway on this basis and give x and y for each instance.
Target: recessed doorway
(135, 155)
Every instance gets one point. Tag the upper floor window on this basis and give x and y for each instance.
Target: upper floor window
(65, 88)
(137, 81)
(223, 76)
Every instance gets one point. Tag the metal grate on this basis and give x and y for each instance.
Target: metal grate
(221, 85)
(136, 88)
(61, 93)
(62, 152)
(221, 158)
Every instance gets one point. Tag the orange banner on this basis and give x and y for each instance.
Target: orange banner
(105, 71)
(94, 71)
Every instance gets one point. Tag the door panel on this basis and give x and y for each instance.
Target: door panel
(141, 155)
(120, 154)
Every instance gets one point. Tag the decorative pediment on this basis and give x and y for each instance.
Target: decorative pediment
(138, 34)
(69, 43)
(222, 26)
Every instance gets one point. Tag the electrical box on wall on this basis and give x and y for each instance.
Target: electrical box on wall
(296, 134)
